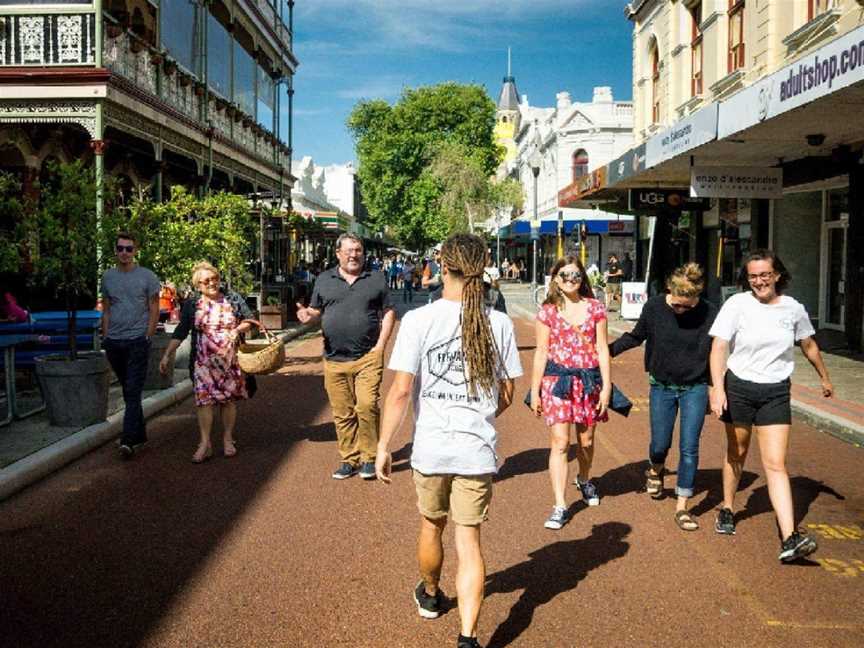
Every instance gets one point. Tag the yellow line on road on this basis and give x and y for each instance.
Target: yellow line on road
(794, 625)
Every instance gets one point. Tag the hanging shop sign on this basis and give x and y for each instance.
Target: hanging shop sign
(685, 135)
(837, 65)
(629, 164)
(650, 199)
(736, 182)
(582, 187)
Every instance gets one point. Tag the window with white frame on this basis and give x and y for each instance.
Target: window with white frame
(736, 35)
(696, 50)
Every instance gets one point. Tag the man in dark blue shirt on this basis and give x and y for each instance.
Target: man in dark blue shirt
(357, 319)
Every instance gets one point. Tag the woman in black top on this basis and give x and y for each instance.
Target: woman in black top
(675, 327)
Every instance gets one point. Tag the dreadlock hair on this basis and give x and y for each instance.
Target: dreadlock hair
(554, 295)
(464, 256)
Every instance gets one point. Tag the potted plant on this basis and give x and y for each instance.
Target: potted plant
(274, 315)
(598, 285)
(61, 235)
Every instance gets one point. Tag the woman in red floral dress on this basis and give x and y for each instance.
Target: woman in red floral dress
(571, 382)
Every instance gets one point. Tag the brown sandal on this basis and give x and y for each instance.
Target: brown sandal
(654, 483)
(685, 521)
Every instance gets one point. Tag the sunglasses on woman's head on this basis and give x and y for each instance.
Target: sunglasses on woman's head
(574, 275)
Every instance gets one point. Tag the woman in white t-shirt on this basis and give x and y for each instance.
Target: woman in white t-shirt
(757, 330)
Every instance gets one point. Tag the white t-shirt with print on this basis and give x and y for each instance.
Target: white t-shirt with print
(453, 431)
(761, 336)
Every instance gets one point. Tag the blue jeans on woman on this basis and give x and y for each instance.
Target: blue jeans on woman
(664, 404)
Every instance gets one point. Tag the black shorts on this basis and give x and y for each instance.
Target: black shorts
(750, 403)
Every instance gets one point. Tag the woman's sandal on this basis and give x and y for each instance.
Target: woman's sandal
(230, 448)
(202, 454)
(654, 483)
(685, 521)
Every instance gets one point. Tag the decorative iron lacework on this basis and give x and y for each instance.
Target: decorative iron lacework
(47, 40)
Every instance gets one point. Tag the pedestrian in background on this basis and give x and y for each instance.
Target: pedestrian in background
(408, 281)
(571, 383)
(614, 275)
(457, 393)
(130, 314)
(675, 329)
(215, 318)
(353, 306)
(752, 358)
(627, 267)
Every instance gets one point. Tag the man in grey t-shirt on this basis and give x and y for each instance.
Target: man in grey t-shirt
(130, 311)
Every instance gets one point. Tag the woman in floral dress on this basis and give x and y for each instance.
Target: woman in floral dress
(216, 323)
(571, 383)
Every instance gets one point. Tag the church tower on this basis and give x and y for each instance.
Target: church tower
(507, 115)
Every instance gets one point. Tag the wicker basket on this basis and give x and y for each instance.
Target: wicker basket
(256, 358)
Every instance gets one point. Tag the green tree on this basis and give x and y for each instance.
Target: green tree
(178, 233)
(397, 144)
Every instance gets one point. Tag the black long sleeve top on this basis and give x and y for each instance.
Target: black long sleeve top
(677, 346)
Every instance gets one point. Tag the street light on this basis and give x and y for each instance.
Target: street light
(534, 161)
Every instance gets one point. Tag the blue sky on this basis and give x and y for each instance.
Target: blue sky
(370, 49)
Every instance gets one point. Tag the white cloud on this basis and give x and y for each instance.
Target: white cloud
(381, 87)
(441, 25)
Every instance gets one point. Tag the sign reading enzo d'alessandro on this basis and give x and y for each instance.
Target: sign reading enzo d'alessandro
(736, 182)
(837, 65)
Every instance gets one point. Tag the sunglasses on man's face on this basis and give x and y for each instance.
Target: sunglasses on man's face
(575, 275)
(683, 307)
(125, 248)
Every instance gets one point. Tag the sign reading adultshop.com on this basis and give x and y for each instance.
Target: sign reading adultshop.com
(837, 65)
(736, 182)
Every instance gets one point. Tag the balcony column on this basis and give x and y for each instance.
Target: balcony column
(98, 146)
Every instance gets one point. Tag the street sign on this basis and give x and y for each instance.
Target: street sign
(666, 200)
(535, 233)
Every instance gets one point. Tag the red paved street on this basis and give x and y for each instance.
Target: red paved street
(267, 550)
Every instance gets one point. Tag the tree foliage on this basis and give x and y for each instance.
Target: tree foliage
(175, 235)
(397, 145)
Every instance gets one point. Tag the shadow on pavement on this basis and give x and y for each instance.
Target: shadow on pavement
(103, 559)
(711, 481)
(552, 570)
(527, 462)
(805, 491)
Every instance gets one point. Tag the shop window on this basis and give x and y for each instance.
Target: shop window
(655, 85)
(736, 35)
(580, 164)
(266, 99)
(245, 71)
(178, 28)
(696, 51)
(816, 8)
(838, 205)
(218, 57)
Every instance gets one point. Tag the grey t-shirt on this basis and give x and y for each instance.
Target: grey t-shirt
(129, 295)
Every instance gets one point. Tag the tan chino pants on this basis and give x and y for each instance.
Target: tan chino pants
(353, 389)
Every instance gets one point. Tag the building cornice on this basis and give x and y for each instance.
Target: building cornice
(680, 48)
(817, 29)
(61, 76)
(710, 20)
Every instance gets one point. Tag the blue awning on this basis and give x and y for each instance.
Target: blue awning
(521, 227)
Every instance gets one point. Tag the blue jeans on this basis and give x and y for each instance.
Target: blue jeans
(128, 359)
(665, 402)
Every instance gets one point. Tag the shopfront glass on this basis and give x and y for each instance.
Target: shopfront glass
(266, 99)
(244, 80)
(218, 61)
(178, 30)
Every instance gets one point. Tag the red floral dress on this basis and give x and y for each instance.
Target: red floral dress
(216, 374)
(572, 350)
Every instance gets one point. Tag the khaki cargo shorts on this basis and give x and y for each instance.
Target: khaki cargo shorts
(465, 497)
(613, 289)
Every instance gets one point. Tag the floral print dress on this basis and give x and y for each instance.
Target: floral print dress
(216, 374)
(572, 348)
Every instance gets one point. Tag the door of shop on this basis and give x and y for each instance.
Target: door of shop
(833, 291)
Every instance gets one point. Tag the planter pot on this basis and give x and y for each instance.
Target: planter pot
(274, 317)
(169, 67)
(137, 46)
(113, 31)
(155, 380)
(75, 393)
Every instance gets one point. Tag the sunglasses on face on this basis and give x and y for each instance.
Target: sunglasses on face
(684, 307)
(574, 275)
(209, 280)
(125, 248)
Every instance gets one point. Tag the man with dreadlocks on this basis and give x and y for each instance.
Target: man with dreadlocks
(457, 358)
